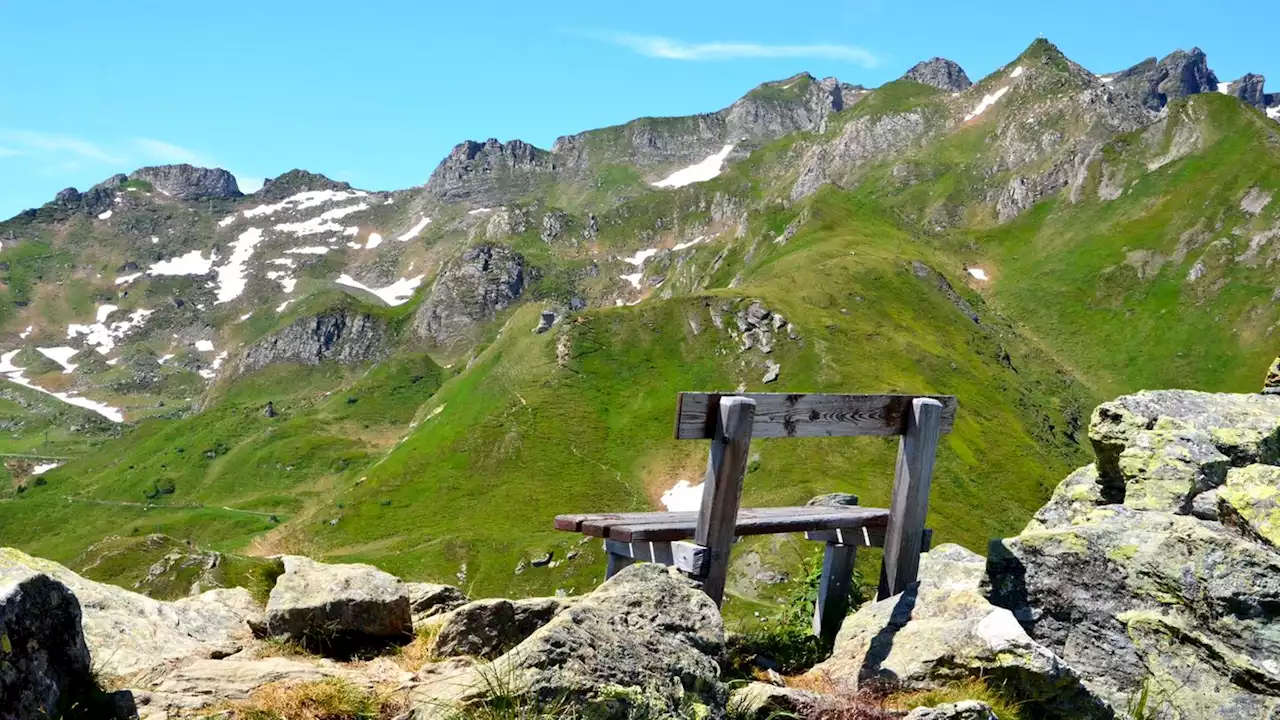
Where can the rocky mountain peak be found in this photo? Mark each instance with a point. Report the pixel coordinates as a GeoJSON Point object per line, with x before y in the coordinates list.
{"type": "Point", "coordinates": [941, 73]}
{"type": "Point", "coordinates": [488, 172]}
{"type": "Point", "coordinates": [1250, 89]}
{"type": "Point", "coordinates": [296, 181]}
{"type": "Point", "coordinates": [1179, 74]}
{"type": "Point", "coordinates": [187, 182]}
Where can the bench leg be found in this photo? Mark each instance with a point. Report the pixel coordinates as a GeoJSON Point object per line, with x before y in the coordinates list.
{"type": "Point", "coordinates": [905, 533]}
{"type": "Point", "coordinates": [833, 590]}
{"type": "Point", "coordinates": [615, 564]}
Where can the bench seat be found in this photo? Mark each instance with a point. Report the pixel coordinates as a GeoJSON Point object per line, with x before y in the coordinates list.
{"type": "Point", "coordinates": [671, 526]}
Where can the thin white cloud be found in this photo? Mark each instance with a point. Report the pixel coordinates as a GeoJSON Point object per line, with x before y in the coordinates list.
{"type": "Point", "coordinates": [673, 49]}
{"type": "Point", "coordinates": [8, 152]}
{"type": "Point", "coordinates": [55, 143]}
{"type": "Point", "coordinates": [168, 153]}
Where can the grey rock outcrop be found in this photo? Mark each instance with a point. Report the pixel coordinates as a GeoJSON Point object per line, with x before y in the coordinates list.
{"type": "Point", "coordinates": [343, 336]}
{"type": "Point", "coordinates": [860, 141]}
{"type": "Point", "coordinates": [941, 73]}
{"type": "Point", "coordinates": [1179, 74]}
{"type": "Point", "coordinates": [334, 608]}
{"type": "Point", "coordinates": [1157, 568]}
{"type": "Point", "coordinates": [489, 628]}
{"type": "Point", "coordinates": [296, 181]}
{"type": "Point", "coordinates": [427, 600]}
{"type": "Point", "coordinates": [644, 641]}
{"type": "Point", "coordinates": [1251, 89]}
{"type": "Point", "coordinates": [472, 289]}
{"type": "Point", "coordinates": [187, 182]}
{"type": "Point", "coordinates": [129, 633]}
{"type": "Point", "coordinates": [489, 173]}
{"type": "Point", "coordinates": [44, 662]}
{"type": "Point", "coordinates": [944, 630]}
{"type": "Point", "coordinates": [1271, 385]}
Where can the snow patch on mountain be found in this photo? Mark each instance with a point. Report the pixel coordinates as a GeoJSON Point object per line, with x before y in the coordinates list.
{"type": "Point", "coordinates": [640, 256]}
{"type": "Point", "coordinates": [314, 250]}
{"type": "Point", "coordinates": [304, 201]}
{"type": "Point", "coordinates": [283, 278]}
{"type": "Point", "coordinates": [397, 293]}
{"type": "Point", "coordinates": [60, 355]}
{"type": "Point", "coordinates": [126, 279]}
{"type": "Point", "coordinates": [104, 215]}
{"type": "Point", "coordinates": [683, 497]}
{"type": "Point", "coordinates": [204, 345]}
{"type": "Point", "coordinates": [689, 244]}
{"type": "Point", "coordinates": [698, 172]}
{"type": "Point", "coordinates": [193, 263]}
{"type": "Point", "coordinates": [412, 232]}
{"type": "Point", "coordinates": [374, 241]}
{"type": "Point", "coordinates": [634, 279]}
{"type": "Point", "coordinates": [231, 279]}
{"type": "Point", "coordinates": [104, 337]}
{"type": "Point", "coordinates": [42, 468]}
{"type": "Point", "coordinates": [1017, 72]}
{"type": "Point", "coordinates": [1224, 88]}
{"type": "Point", "coordinates": [1274, 113]}
{"type": "Point", "coordinates": [14, 375]}
{"type": "Point", "coordinates": [987, 101]}
{"type": "Point", "coordinates": [26, 332]}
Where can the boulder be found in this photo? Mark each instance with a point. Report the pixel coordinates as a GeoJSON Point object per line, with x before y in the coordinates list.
{"type": "Point", "coordinates": [429, 600]}
{"type": "Point", "coordinates": [1271, 386]}
{"type": "Point", "coordinates": [963, 710]}
{"type": "Point", "coordinates": [1136, 598]}
{"type": "Point", "coordinates": [128, 633]}
{"type": "Point", "coordinates": [489, 628]}
{"type": "Point", "coordinates": [1166, 467]}
{"type": "Point", "coordinates": [1244, 428]}
{"type": "Point", "coordinates": [1072, 499]}
{"type": "Point", "coordinates": [645, 641]}
{"type": "Point", "coordinates": [44, 662]}
{"type": "Point", "coordinates": [336, 608]}
{"type": "Point", "coordinates": [943, 630]}
{"type": "Point", "coordinates": [187, 182]}
{"type": "Point", "coordinates": [762, 701]}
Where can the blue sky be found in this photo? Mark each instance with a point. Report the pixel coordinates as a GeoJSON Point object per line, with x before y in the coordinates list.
{"type": "Point", "coordinates": [376, 93]}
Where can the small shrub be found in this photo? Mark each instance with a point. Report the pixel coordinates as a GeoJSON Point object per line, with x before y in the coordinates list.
{"type": "Point", "coordinates": [329, 699]}
{"type": "Point", "coordinates": [1002, 699]}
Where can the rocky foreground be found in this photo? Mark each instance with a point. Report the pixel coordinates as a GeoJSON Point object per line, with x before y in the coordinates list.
{"type": "Point", "coordinates": [1148, 586]}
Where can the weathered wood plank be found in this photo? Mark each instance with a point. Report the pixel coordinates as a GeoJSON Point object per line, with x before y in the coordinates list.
{"type": "Point", "coordinates": [574, 522]}
{"type": "Point", "coordinates": [905, 533]}
{"type": "Point", "coordinates": [832, 603]}
{"type": "Point", "coordinates": [809, 415]}
{"type": "Point", "coordinates": [722, 489]}
{"type": "Point", "coordinates": [663, 528]}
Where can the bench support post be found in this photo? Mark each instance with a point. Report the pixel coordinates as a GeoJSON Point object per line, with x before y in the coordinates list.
{"type": "Point", "coordinates": [833, 590]}
{"type": "Point", "coordinates": [722, 489]}
{"type": "Point", "coordinates": [905, 533]}
{"type": "Point", "coordinates": [615, 564]}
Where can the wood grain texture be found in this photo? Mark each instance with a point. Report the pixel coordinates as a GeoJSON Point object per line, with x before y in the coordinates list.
{"type": "Point", "coordinates": [715, 526]}
{"type": "Point", "coordinates": [660, 526]}
{"type": "Point", "coordinates": [808, 415]}
{"type": "Point", "coordinates": [905, 533]}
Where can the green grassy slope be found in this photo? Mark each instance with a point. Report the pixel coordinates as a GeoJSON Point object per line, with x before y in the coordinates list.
{"type": "Point", "coordinates": [522, 436]}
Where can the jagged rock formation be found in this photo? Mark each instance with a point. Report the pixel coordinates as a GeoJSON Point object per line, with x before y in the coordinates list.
{"type": "Point", "coordinates": [343, 336]}
{"type": "Point", "coordinates": [296, 181]}
{"type": "Point", "coordinates": [427, 600]}
{"type": "Point", "coordinates": [489, 628]}
{"type": "Point", "coordinates": [489, 173]}
{"type": "Point", "coordinates": [860, 141]}
{"type": "Point", "coordinates": [941, 73]}
{"type": "Point", "coordinates": [44, 663]}
{"type": "Point", "coordinates": [1154, 83]}
{"type": "Point", "coordinates": [187, 182]}
{"type": "Point", "coordinates": [477, 285]}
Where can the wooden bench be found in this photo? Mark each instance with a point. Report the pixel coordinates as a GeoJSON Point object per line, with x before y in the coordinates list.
{"type": "Point", "coordinates": [730, 421]}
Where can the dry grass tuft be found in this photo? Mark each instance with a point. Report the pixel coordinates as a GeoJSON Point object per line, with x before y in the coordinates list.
{"type": "Point", "coordinates": [328, 699]}
{"type": "Point", "coordinates": [421, 651]}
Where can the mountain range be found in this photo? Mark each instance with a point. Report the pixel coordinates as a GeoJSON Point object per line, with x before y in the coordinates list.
{"type": "Point", "coordinates": [425, 377]}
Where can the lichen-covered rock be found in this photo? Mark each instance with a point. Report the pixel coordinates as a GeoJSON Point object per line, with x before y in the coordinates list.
{"type": "Point", "coordinates": [44, 662]}
{"type": "Point", "coordinates": [342, 336]}
{"type": "Point", "coordinates": [187, 182]}
{"type": "Point", "coordinates": [762, 701]}
{"type": "Point", "coordinates": [336, 607]}
{"type": "Point", "coordinates": [1250, 502]}
{"type": "Point", "coordinates": [963, 710]}
{"type": "Point", "coordinates": [471, 289]}
{"type": "Point", "coordinates": [645, 640]}
{"type": "Point", "coordinates": [428, 600]}
{"type": "Point", "coordinates": [1271, 386]}
{"type": "Point", "coordinates": [1166, 467]}
{"type": "Point", "coordinates": [128, 633]}
{"type": "Point", "coordinates": [941, 73]}
{"type": "Point", "coordinates": [488, 628]}
{"type": "Point", "coordinates": [943, 630]}
{"type": "Point", "coordinates": [1072, 499]}
{"type": "Point", "coordinates": [1129, 597]}
{"type": "Point", "coordinates": [1245, 428]}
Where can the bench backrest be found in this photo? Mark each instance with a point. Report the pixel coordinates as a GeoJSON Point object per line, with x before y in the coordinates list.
{"type": "Point", "coordinates": [804, 415]}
